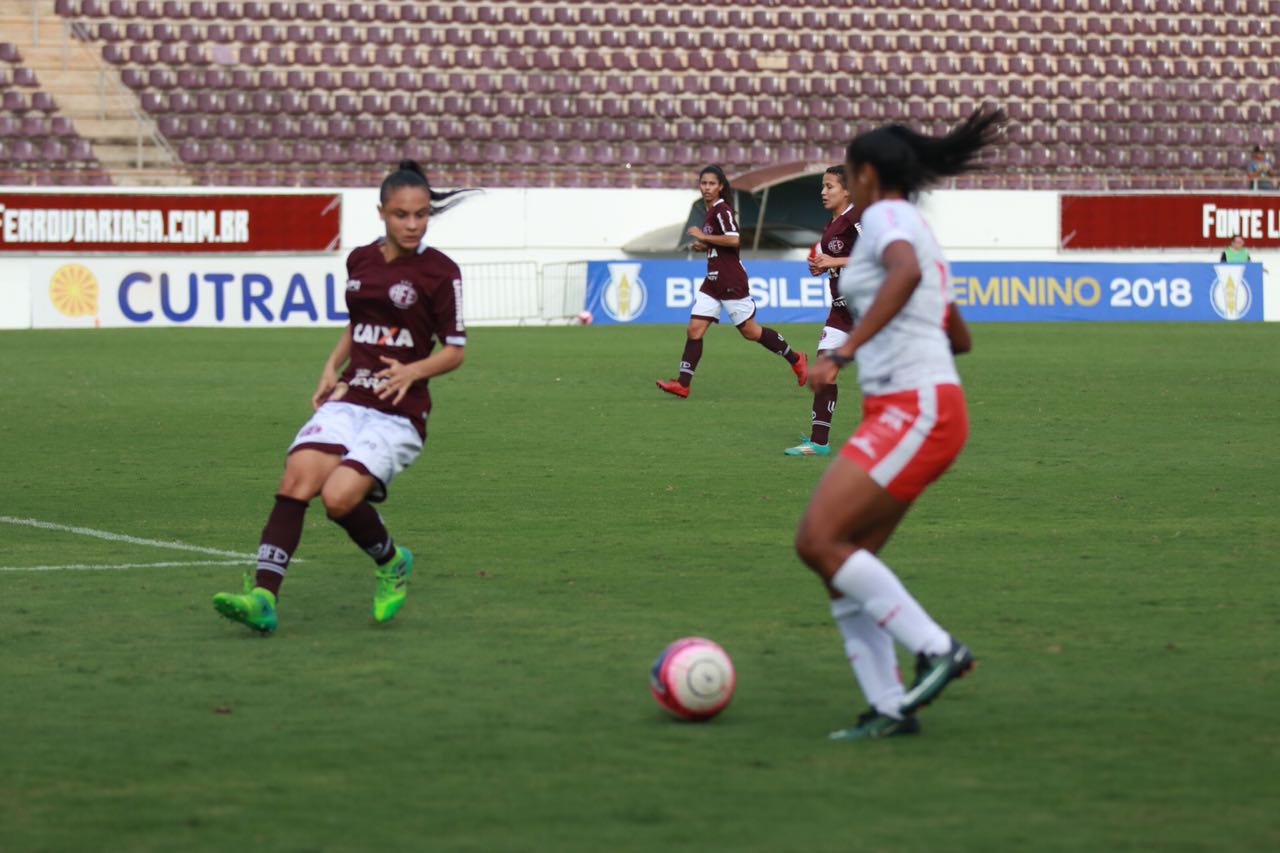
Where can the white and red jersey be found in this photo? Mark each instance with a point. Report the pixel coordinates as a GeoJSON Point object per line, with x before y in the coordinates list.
{"type": "Point", "coordinates": [912, 350]}
{"type": "Point", "coordinates": [398, 309]}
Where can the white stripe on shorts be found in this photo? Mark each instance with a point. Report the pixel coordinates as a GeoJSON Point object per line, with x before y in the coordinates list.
{"type": "Point", "coordinates": [905, 450]}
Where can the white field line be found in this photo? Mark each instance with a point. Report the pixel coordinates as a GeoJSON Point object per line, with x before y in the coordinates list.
{"type": "Point", "coordinates": [85, 566]}
{"type": "Point", "coordinates": [131, 540]}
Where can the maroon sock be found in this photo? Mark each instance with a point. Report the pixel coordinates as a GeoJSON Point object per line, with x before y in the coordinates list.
{"type": "Point", "coordinates": [689, 360]}
{"type": "Point", "coordinates": [774, 342]}
{"type": "Point", "coordinates": [365, 527]}
{"type": "Point", "coordinates": [280, 539]}
{"type": "Point", "coordinates": [824, 407]}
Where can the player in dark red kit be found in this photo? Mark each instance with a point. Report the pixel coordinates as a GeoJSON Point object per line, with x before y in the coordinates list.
{"type": "Point", "coordinates": [725, 287]}
{"type": "Point", "coordinates": [370, 420]}
{"type": "Point", "coordinates": [830, 255]}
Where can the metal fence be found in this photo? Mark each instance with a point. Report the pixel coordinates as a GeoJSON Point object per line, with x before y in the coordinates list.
{"type": "Point", "coordinates": [520, 293]}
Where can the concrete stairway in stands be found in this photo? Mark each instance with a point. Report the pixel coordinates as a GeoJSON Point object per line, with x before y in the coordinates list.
{"type": "Point", "coordinates": [89, 92]}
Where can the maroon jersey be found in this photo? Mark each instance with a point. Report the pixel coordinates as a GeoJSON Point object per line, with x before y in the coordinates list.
{"type": "Point", "coordinates": [398, 308]}
{"type": "Point", "coordinates": [726, 279]}
{"type": "Point", "coordinates": [837, 241]}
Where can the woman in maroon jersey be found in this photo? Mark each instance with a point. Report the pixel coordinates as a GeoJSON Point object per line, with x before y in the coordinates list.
{"type": "Point", "coordinates": [830, 255]}
{"type": "Point", "coordinates": [370, 420]}
{"type": "Point", "coordinates": [725, 287]}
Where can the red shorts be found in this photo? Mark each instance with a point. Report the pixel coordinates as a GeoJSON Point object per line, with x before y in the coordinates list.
{"type": "Point", "coordinates": [907, 439]}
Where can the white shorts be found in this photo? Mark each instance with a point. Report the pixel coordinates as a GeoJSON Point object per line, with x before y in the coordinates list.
{"type": "Point", "coordinates": [832, 338]}
{"type": "Point", "coordinates": [372, 442]}
{"type": "Point", "coordinates": [740, 310]}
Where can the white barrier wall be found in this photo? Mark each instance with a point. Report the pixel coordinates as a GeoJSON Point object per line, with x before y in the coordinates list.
{"type": "Point", "coordinates": [504, 236]}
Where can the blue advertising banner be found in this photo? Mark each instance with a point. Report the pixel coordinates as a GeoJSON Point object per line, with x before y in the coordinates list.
{"type": "Point", "coordinates": [663, 291]}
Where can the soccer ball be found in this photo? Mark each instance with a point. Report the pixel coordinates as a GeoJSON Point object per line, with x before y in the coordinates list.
{"type": "Point", "coordinates": [584, 318]}
{"type": "Point", "coordinates": [692, 678]}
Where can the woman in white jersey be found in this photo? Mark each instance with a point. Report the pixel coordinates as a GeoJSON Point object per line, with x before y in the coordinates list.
{"type": "Point", "coordinates": [914, 420]}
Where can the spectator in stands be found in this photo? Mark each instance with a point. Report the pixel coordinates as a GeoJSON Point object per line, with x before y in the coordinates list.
{"type": "Point", "coordinates": [1235, 252]}
{"type": "Point", "coordinates": [1260, 169]}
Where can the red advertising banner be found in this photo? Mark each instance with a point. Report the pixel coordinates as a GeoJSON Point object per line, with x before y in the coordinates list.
{"type": "Point", "coordinates": [165, 224]}
{"type": "Point", "coordinates": [1168, 220]}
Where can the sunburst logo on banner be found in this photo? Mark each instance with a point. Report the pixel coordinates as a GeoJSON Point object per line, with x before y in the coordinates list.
{"type": "Point", "coordinates": [73, 290]}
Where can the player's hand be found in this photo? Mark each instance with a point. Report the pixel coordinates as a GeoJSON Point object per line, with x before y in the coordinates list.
{"type": "Point", "coordinates": [698, 246]}
{"type": "Point", "coordinates": [399, 377]}
{"type": "Point", "coordinates": [695, 232]}
{"type": "Point", "coordinates": [822, 372]}
{"type": "Point", "coordinates": [328, 381]}
{"type": "Point", "coordinates": [821, 262]}
{"type": "Point", "coordinates": [812, 269]}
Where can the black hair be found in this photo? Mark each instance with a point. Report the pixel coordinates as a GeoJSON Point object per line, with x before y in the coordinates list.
{"type": "Point", "coordinates": [838, 171]}
{"type": "Point", "coordinates": [409, 173]}
{"type": "Point", "coordinates": [908, 161]}
{"type": "Point", "coordinates": [725, 189]}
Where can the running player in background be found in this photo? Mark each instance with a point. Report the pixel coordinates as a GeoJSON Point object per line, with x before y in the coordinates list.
{"type": "Point", "coordinates": [370, 421]}
{"type": "Point", "coordinates": [914, 419]}
{"type": "Point", "coordinates": [725, 287]}
{"type": "Point", "coordinates": [830, 255]}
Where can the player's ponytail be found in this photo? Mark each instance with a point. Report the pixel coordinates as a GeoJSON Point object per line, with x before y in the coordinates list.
{"type": "Point", "coordinates": [725, 189]}
{"type": "Point", "coordinates": [908, 161]}
{"type": "Point", "coordinates": [409, 173]}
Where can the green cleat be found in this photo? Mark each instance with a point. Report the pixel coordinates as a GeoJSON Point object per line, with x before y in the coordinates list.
{"type": "Point", "coordinates": [873, 724]}
{"type": "Point", "coordinates": [808, 448]}
{"type": "Point", "coordinates": [392, 585]}
{"type": "Point", "coordinates": [934, 672]}
{"type": "Point", "coordinates": [256, 608]}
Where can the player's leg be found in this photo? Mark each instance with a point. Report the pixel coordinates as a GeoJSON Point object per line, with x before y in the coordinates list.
{"type": "Point", "coordinates": [824, 404]}
{"type": "Point", "coordinates": [848, 499]}
{"type": "Point", "coordinates": [849, 514]}
{"type": "Point", "coordinates": [386, 445]}
{"type": "Point", "coordinates": [904, 442]}
{"type": "Point", "coordinates": [706, 311]}
{"type": "Point", "coordinates": [304, 473]}
{"type": "Point", "coordinates": [743, 313]}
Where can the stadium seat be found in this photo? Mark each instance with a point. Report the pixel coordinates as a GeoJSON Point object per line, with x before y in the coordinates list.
{"type": "Point", "coordinates": [1074, 73]}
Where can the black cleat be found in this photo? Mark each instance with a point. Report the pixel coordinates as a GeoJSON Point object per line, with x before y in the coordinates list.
{"type": "Point", "coordinates": [873, 724]}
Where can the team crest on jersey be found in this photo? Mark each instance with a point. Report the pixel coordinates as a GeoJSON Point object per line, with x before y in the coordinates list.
{"type": "Point", "coordinates": [1230, 295]}
{"type": "Point", "coordinates": [835, 245]}
{"type": "Point", "coordinates": [403, 294]}
{"type": "Point", "coordinates": [353, 284]}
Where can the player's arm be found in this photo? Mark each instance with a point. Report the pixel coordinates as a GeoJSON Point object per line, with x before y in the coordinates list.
{"type": "Point", "coordinates": [724, 241]}
{"type": "Point", "coordinates": [401, 376]}
{"type": "Point", "coordinates": [958, 331]}
{"type": "Point", "coordinates": [826, 262]}
{"type": "Point", "coordinates": [332, 368]}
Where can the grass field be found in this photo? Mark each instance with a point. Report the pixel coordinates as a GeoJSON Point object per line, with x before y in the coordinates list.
{"type": "Point", "coordinates": [1106, 544]}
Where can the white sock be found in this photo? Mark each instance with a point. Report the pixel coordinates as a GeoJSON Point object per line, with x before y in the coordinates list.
{"type": "Point", "coordinates": [870, 652]}
{"type": "Point", "coordinates": [872, 584]}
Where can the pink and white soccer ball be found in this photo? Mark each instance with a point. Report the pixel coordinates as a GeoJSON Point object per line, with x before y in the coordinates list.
{"type": "Point", "coordinates": [692, 678]}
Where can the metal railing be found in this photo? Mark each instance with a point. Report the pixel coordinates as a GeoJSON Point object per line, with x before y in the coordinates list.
{"type": "Point", "coordinates": [74, 36]}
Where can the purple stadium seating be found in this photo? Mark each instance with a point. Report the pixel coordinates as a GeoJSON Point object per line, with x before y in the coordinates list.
{"type": "Point", "coordinates": [1091, 82]}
